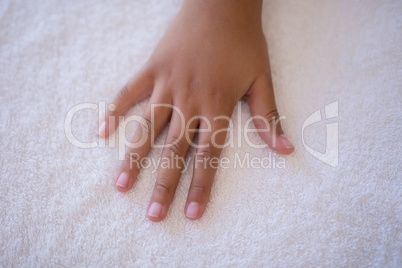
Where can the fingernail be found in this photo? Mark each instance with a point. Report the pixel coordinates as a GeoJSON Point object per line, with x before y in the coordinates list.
{"type": "Point", "coordinates": [102, 130]}
{"type": "Point", "coordinates": [123, 179]}
{"type": "Point", "coordinates": [192, 210]}
{"type": "Point", "coordinates": [155, 210]}
{"type": "Point", "coordinates": [286, 142]}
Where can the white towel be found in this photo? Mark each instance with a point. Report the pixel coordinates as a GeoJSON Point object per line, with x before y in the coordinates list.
{"type": "Point", "coordinates": [58, 205]}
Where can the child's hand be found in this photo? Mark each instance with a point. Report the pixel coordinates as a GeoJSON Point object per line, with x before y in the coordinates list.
{"type": "Point", "coordinates": [213, 54]}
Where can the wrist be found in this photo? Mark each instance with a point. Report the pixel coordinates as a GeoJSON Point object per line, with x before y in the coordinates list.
{"type": "Point", "coordinates": [234, 12]}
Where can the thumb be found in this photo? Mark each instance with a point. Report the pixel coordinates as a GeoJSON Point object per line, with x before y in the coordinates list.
{"type": "Point", "coordinates": [265, 116]}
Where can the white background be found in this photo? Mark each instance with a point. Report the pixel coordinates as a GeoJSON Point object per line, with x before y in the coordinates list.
{"type": "Point", "coordinates": [58, 205]}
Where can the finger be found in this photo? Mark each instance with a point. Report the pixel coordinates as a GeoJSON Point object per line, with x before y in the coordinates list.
{"type": "Point", "coordinates": [172, 163]}
{"type": "Point", "coordinates": [137, 88]}
{"type": "Point", "coordinates": [154, 121]}
{"type": "Point", "coordinates": [265, 115]}
{"type": "Point", "coordinates": [211, 140]}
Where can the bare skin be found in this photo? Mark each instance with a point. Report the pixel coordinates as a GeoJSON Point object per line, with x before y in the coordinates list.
{"type": "Point", "coordinates": [213, 54]}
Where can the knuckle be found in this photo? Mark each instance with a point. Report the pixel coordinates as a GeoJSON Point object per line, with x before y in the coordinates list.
{"type": "Point", "coordinates": [146, 127]}
{"type": "Point", "coordinates": [266, 121]}
{"type": "Point", "coordinates": [192, 86]}
{"type": "Point", "coordinates": [208, 158]}
{"type": "Point", "coordinates": [272, 116]}
{"type": "Point", "coordinates": [221, 103]}
{"type": "Point", "coordinates": [208, 153]}
{"type": "Point", "coordinates": [123, 93]}
{"type": "Point", "coordinates": [163, 187]}
{"type": "Point", "coordinates": [141, 136]}
{"type": "Point", "coordinates": [132, 155]}
{"type": "Point", "coordinates": [176, 147]}
{"type": "Point", "coordinates": [200, 189]}
{"type": "Point", "coordinates": [218, 95]}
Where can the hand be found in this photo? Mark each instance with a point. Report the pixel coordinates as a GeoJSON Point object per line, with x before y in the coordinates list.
{"type": "Point", "coordinates": [213, 54]}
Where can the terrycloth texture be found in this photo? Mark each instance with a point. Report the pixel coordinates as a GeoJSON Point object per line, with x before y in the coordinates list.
{"type": "Point", "coordinates": [58, 203]}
